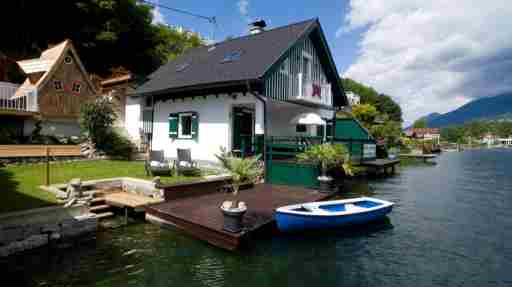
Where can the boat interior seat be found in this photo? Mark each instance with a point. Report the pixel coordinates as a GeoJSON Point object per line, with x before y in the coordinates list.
{"type": "Point", "coordinates": [353, 207]}
{"type": "Point", "coordinates": [314, 209]}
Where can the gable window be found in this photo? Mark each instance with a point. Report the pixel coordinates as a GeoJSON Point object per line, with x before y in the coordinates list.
{"type": "Point", "coordinates": [57, 85]}
{"type": "Point", "coordinates": [76, 88]}
{"type": "Point", "coordinates": [306, 67]}
{"type": "Point", "coordinates": [68, 60]}
{"type": "Point", "coordinates": [183, 125]}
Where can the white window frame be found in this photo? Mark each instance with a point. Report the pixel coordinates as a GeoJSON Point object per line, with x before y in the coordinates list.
{"type": "Point", "coordinates": [309, 73]}
{"type": "Point", "coordinates": [180, 129]}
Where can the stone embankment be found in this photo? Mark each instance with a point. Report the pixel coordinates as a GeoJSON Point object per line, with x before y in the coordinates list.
{"type": "Point", "coordinates": [20, 231]}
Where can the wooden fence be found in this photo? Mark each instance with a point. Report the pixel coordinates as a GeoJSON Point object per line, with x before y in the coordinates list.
{"type": "Point", "coordinates": [16, 151]}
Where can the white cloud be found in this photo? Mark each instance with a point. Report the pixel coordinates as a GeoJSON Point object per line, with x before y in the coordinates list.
{"type": "Point", "coordinates": [243, 8]}
{"type": "Point", "coordinates": [158, 17]}
{"type": "Point", "coordinates": [432, 56]}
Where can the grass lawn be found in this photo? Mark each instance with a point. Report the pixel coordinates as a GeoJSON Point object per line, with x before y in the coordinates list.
{"type": "Point", "coordinates": [19, 184]}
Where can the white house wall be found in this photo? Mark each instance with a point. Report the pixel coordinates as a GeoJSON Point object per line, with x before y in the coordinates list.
{"type": "Point", "coordinates": [132, 118]}
{"type": "Point", "coordinates": [215, 117]}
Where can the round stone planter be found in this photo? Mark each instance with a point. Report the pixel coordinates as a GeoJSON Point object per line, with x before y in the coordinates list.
{"type": "Point", "coordinates": [325, 184]}
{"type": "Point", "coordinates": [233, 219]}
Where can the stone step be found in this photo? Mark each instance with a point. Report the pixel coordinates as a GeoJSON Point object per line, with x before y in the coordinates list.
{"type": "Point", "coordinates": [97, 200]}
{"type": "Point", "coordinates": [96, 208]}
{"type": "Point", "coordinates": [104, 215]}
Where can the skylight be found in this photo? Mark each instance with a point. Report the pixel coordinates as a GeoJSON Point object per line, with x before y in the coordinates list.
{"type": "Point", "coordinates": [181, 67]}
{"type": "Point", "coordinates": [232, 56]}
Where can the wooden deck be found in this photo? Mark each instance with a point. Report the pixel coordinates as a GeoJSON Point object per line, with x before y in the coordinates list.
{"type": "Point", "coordinates": [126, 199]}
{"type": "Point", "coordinates": [200, 216]}
{"type": "Point", "coordinates": [381, 164]}
{"type": "Point", "coordinates": [424, 157]}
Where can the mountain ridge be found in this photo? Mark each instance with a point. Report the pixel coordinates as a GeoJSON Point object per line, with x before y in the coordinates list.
{"type": "Point", "coordinates": [489, 108]}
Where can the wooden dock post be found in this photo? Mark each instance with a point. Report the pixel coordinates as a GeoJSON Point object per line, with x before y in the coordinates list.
{"type": "Point", "coordinates": [47, 175]}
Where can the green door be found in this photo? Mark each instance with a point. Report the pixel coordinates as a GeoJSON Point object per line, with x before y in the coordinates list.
{"type": "Point", "coordinates": [243, 131]}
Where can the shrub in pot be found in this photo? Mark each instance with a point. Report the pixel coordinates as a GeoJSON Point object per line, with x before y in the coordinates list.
{"type": "Point", "coordinates": [326, 156]}
{"type": "Point", "coordinates": [243, 171]}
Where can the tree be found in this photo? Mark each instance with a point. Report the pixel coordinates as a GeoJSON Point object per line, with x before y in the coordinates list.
{"type": "Point", "coordinates": [174, 42]}
{"type": "Point", "coordinates": [420, 124]}
{"type": "Point", "coordinates": [452, 134]}
{"type": "Point", "coordinates": [365, 113]}
{"type": "Point", "coordinates": [96, 120]}
{"type": "Point", "coordinates": [325, 155]}
{"type": "Point", "coordinates": [106, 33]}
{"type": "Point", "coordinates": [387, 106]}
{"type": "Point", "coordinates": [390, 131]}
{"type": "Point", "coordinates": [242, 171]}
{"type": "Point", "coordinates": [383, 103]}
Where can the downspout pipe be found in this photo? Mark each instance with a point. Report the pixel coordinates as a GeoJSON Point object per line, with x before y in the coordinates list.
{"type": "Point", "coordinates": [265, 120]}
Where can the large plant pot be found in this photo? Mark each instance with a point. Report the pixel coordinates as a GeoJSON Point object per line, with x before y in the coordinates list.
{"type": "Point", "coordinates": [325, 184]}
{"type": "Point", "coordinates": [233, 219]}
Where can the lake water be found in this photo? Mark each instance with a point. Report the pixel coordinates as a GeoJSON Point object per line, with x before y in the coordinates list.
{"type": "Point", "coordinates": [451, 226]}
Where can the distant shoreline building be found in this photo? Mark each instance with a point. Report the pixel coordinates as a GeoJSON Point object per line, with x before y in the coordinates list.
{"type": "Point", "coordinates": [489, 139]}
{"type": "Point", "coordinates": [433, 134]}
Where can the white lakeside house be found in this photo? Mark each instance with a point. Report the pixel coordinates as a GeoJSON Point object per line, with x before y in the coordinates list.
{"type": "Point", "coordinates": [237, 93]}
{"type": "Point", "coordinates": [353, 98]}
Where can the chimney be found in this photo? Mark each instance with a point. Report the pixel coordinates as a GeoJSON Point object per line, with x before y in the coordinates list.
{"type": "Point", "coordinates": [257, 27]}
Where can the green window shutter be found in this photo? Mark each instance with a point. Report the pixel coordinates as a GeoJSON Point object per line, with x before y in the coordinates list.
{"type": "Point", "coordinates": [173, 126]}
{"type": "Point", "coordinates": [195, 126]}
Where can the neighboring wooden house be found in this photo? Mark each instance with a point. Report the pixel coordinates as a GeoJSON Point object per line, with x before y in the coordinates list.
{"type": "Point", "coordinates": [117, 87]}
{"type": "Point", "coordinates": [432, 134]}
{"type": "Point", "coordinates": [234, 94]}
{"type": "Point", "coordinates": [56, 86]}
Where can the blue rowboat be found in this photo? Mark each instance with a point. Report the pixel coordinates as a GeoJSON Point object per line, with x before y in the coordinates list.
{"type": "Point", "coordinates": [330, 214]}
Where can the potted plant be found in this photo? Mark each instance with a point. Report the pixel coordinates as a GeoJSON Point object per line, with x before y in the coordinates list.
{"type": "Point", "coordinates": [243, 171]}
{"type": "Point", "coordinates": [325, 155]}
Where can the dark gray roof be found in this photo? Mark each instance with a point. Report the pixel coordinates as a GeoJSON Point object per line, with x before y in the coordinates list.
{"type": "Point", "coordinates": [204, 66]}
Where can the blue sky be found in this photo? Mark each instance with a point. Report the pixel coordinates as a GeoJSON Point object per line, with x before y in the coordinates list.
{"type": "Point", "coordinates": [275, 13]}
{"type": "Point", "coordinates": [429, 56]}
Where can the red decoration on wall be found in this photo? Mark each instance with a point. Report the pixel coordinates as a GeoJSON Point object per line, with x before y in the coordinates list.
{"type": "Point", "coordinates": [317, 91]}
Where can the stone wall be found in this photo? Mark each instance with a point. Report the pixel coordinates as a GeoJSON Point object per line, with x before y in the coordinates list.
{"type": "Point", "coordinates": [26, 230]}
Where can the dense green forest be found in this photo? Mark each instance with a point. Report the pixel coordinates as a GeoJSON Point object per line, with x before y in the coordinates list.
{"type": "Point", "coordinates": [476, 130]}
{"type": "Point", "coordinates": [106, 33]}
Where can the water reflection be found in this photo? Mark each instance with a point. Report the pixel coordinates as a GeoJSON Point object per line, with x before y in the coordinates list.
{"type": "Point", "coordinates": [209, 271]}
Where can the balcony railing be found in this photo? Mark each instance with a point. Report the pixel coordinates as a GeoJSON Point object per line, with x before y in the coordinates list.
{"type": "Point", "coordinates": [312, 92]}
{"type": "Point", "coordinates": [15, 98]}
